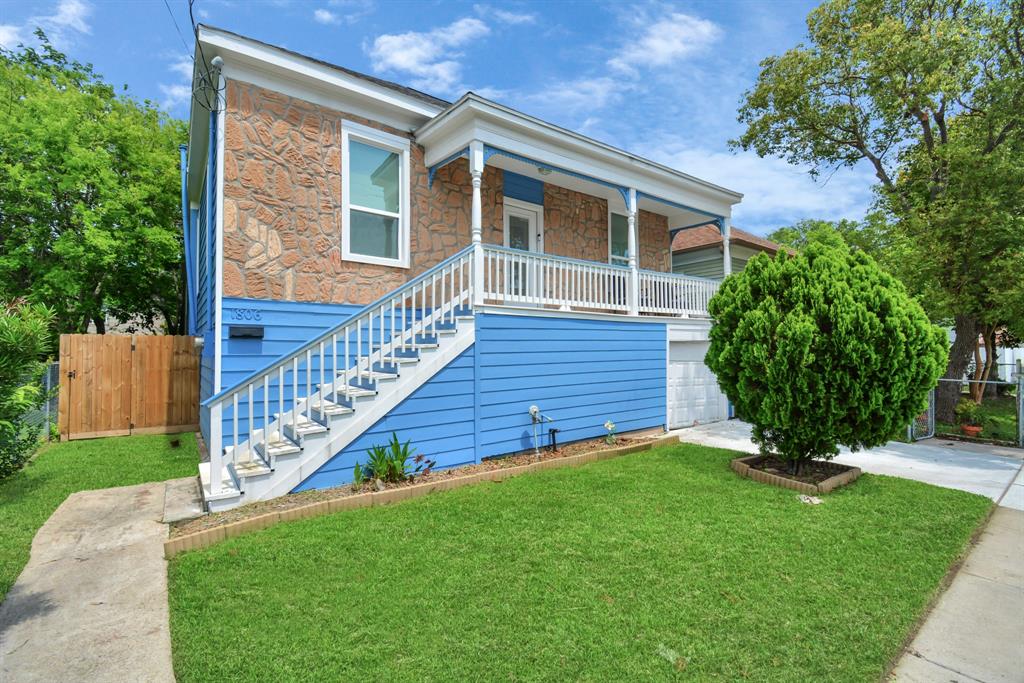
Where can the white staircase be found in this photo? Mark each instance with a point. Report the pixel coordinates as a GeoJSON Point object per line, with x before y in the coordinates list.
{"type": "Point", "coordinates": [325, 394]}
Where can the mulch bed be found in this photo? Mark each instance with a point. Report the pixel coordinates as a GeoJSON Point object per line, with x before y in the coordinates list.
{"type": "Point", "coordinates": [296, 500]}
{"type": "Point", "coordinates": [817, 477]}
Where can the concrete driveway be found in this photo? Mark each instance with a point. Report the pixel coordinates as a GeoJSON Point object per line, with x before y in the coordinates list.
{"type": "Point", "coordinates": [991, 471]}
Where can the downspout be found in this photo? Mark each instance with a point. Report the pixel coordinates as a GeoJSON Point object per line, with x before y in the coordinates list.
{"type": "Point", "coordinates": [186, 228]}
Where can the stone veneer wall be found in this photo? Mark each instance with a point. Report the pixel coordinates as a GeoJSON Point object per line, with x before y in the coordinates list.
{"type": "Point", "coordinates": [282, 208]}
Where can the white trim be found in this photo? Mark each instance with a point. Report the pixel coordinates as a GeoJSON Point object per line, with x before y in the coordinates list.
{"type": "Point", "coordinates": [219, 275]}
{"type": "Point", "coordinates": [392, 143]}
{"type": "Point", "coordinates": [625, 259]}
{"type": "Point", "coordinates": [538, 209]}
{"type": "Point", "coordinates": [678, 327]}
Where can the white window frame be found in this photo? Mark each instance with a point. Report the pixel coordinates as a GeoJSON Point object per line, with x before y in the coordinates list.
{"type": "Point", "coordinates": [392, 143]}
{"type": "Point", "coordinates": [524, 206]}
{"type": "Point", "coordinates": [624, 261]}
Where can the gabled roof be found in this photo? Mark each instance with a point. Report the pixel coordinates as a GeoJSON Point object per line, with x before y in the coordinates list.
{"type": "Point", "coordinates": [397, 87]}
{"type": "Point", "coordinates": [709, 236]}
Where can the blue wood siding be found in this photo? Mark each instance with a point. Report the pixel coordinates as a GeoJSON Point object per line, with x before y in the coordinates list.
{"type": "Point", "coordinates": [580, 372]}
{"type": "Point", "coordinates": [437, 418]}
{"type": "Point", "coordinates": [201, 306]}
{"type": "Point", "coordinates": [286, 326]}
{"type": "Point", "coordinates": [522, 188]}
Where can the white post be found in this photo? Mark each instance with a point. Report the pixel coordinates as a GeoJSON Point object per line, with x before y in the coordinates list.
{"type": "Point", "coordinates": [476, 170]}
{"type": "Point", "coordinates": [726, 253]}
{"type": "Point", "coordinates": [216, 448]}
{"type": "Point", "coordinates": [633, 301]}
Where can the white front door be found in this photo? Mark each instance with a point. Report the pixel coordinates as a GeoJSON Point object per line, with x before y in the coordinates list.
{"type": "Point", "coordinates": [523, 231]}
{"type": "Point", "coordinates": [693, 393]}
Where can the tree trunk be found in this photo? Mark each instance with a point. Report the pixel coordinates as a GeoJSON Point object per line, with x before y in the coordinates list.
{"type": "Point", "coordinates": [101, 324]}
{"type": "Point", "coordinates": [948, 393]}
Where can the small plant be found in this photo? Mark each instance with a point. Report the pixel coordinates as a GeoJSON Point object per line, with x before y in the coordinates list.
{"type": "Point", "coordinates": [357, 477]}
{"type": "Point", "coordinates": [968, 413]}
{"type": "Point", "coordinates": [610, 439]}
{"type": "Point", "coordinates": [391, 463]}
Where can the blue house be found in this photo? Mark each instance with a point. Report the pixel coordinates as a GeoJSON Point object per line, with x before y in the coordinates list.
{"type": "Point", "coordinates": [364, 258]}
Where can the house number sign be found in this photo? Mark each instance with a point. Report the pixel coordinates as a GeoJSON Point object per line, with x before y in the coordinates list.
{"type": "Point", "coordinates": [246, 314]}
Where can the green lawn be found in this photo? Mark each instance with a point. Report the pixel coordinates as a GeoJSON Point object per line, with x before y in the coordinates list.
{"type": "Point", "coordinates": [28, 498]}
{"type": "Point", "coordinates": [659, 565]}
{"type": "Point", "coordinates": [998, 420]}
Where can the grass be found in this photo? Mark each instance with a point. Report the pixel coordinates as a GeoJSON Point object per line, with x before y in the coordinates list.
{"type": "Point", "coordinates": [998, 420]}
{"type": "Point", "coordinates": [662, 565]}
{"type": "Point", "coordinates": [29, 497]}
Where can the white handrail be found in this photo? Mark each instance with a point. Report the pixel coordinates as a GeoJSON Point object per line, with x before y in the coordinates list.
{"type": "Point", "coordinates": [399, 321]}
{"type": "Point", "coordinates": [512, 276]}
{"type": "Point", "coordinates": [672, 294]}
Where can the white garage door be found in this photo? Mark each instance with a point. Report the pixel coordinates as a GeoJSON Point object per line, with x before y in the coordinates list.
{"type": "Point", "coordinates": [693, 394]}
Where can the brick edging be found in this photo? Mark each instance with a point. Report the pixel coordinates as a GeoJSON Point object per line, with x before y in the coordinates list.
{"type": "Point", "coordinates": [207, 537]}
{"type": "Point", "coordinates": [742, 467]}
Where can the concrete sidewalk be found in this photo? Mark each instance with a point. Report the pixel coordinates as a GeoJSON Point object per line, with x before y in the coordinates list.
{"type": "Point", "coordinates": [976, 630]}
{"type": "Point", "coordinates": [91, 604]}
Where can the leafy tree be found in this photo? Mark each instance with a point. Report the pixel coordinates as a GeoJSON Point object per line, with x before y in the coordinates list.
{"type": "Point", "coordinates": [930, 94]}
{"type": "Point", "coordinates": [24, 341]}
{"type": "Point", "coordinates": [90, 210]}
{"type": "Point", "coordinates": [868, 236]}
{"type": "Point", "coordinates": [822, 349]}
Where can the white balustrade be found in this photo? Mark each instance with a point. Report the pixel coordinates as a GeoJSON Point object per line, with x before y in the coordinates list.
{"type": "Point", "coordinates": [671, 294]}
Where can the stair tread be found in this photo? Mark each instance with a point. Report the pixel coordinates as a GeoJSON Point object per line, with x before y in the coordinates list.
{"type": "Point", "coordinates": [330, 407]}
{"type": "Point", "coordinates": [279, 447]}
{"type": "Point", "coordinates": [251, 468]}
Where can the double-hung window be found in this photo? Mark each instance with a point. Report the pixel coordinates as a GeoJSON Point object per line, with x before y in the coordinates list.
{"type": "Point", "coordinates": [374, 196]}
{"type": "Point", "coordinates": [618, 239]}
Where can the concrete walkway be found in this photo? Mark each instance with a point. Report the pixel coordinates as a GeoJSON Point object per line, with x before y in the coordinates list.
{"type": "Point", "coordinates": [976, 630]}
{"type": "Point", "coordinates": [91, 604]}
{"type": "Point", "coordinates": [986, 470]}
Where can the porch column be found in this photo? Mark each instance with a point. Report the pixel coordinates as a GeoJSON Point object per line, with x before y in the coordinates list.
{"type": "Point", "coordinates": [726, 254]}
{"type": "Point", "coordinates": [634, 274]}
{"type": "Point", "coordinates": [476, 170]}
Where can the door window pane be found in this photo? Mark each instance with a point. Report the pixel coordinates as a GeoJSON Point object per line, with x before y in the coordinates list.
{"type": "Point", "coordinates": [373, 235]}
{"type": "Point", "coordinates": [519, 232]}
{"type": "Point", "coordinates": [373, 177]}
{"type": "Point", "coordinates": [619, 238]}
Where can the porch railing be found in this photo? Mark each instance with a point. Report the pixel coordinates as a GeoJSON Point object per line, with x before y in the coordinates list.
{"type": "Point", "coordinates": [526, 278]}
{"type": "Point", "coordinates": [335, 366]}
{"type": "Point", "coordinates": [512, 276]}
{"type": "Point", "coordinates": [671, 294]}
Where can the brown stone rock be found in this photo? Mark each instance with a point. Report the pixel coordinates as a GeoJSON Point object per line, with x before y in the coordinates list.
{"type": "Point", "coordinates": [233, 280]}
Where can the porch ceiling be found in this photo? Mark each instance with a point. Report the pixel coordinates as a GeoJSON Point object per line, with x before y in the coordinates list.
{"type": "Point", "coordinates": [526, 144]}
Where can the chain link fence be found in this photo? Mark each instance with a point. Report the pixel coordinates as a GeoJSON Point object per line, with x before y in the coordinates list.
{"type": "Point", "coordinates": [45, 416]}
{"type": "Point", "coordinates": [998, 415]}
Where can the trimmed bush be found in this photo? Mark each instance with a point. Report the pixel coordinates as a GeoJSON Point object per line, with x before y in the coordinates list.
{"type": "Point", "coordinates": [822, 349]}
{"type": "Point", "coordinates": [24, 341]}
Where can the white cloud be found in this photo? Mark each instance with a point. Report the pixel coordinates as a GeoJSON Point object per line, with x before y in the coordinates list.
{"type": "Point", "coordinates": [568, 98]}
{"type": "Point", "coordinates": [175, 95]}
{"type": "Point", "coordinates": [505, 16]}
{"type": "Point", "coordinates": [70, 14]}
{"type": "Point", "coordinates": [10, 36]}
{"type": "Point", "coordinates": [182, 67]}
{"type": "Point", "coordinates": [774, 193]}
{"type": "Point", "coordinates": [666, 40]}
{"type": "Point", "coordinates": [325, 16]}
{"type": "Point", "coordinates": [431, 57]}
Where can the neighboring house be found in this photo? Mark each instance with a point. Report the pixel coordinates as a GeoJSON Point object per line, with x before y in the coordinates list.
{"type": "Point", "coordinates": [697, 251]}
{"type": "Point", "coordinates": [365, 259]}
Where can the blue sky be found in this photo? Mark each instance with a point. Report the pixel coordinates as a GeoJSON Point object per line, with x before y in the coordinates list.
{"type": "Point", "coordinates": [659, 79]}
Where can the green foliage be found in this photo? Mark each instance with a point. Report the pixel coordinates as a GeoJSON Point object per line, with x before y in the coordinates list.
{"type": "Point", "coordinates": [867, 236]}
{"type": "Point", "coordinates": [821, 349]}
{"type": "Point", "coordinates": [24, 342]}
{"type": "Point", "coordinates": [90, 209]}
{"type": "Point", "coordinates": [395, 462]}
{"type": "Point", "coordinates": [357, 476]}
{"type": "Point", "coordinates": [930, 95]}
{"type": "Point", "coordinates": [968, 412]}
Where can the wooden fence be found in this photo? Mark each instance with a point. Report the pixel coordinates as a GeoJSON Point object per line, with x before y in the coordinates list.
{"type": "Point", "coordinates": [113, 385]}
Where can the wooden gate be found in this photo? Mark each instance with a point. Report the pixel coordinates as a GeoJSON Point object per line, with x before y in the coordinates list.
{"type": "Point", "coordinates": [113, 385]}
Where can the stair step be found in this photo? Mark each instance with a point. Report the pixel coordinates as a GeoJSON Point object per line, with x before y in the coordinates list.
{"type": "Point", "coordinates": [464, 312]}
{"type": "Point", "coordinates": [304, 427]}
{"type": "Point", "coordinates": [251, 468]}
{"type": "Point", "coordinates": [354, 390]}
{"type": "Point", "coordinates": [446, 327]}
{"type": "Point", "coordinates": [276, 449]}
{"type": "Point", "coordinates": [329, 408]}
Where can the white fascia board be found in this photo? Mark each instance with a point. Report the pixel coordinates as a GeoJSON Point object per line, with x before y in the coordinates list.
{"type": "Point", "coordinates": [606, 162]}
{"type": "Point", "coordinates": [307, 79]}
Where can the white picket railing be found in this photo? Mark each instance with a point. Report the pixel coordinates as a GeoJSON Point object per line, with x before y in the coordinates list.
{"type": "Point", "coordinates": [341, 362]}
{"type": "Point", "coordinates": [671, 294]}
{"type": "Point", "coordinates": [512, 276]}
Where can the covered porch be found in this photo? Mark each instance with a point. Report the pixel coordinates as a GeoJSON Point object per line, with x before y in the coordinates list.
{"type": "Point", "coordinates": [576, 225]}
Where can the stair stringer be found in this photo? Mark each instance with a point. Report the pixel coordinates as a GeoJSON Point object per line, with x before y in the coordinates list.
{"type": "Point", "coordinates": [369, 414]}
